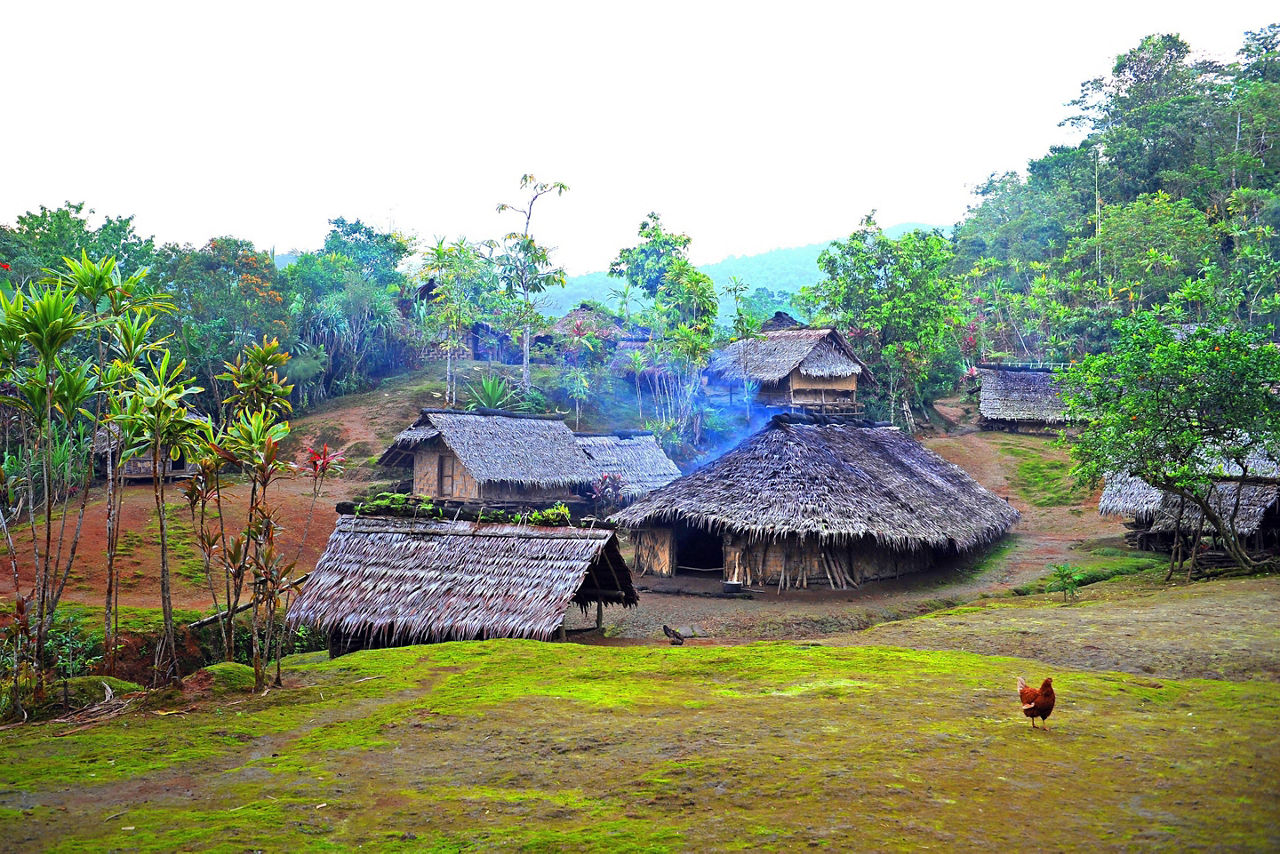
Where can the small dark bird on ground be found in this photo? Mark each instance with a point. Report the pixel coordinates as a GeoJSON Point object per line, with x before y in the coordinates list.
{"type": "Point", "coordinates": [677, 639]}
{"type": "Point", "coordinates": [1037, 702]}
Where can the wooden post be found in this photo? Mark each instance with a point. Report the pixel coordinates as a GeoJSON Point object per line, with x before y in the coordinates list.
{"type": "Point", "coordinates": [599, 613]}
{"type": "Point", "coordinates": [561, 635]}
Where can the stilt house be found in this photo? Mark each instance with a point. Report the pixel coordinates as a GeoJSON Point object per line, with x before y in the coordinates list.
{"type": "Point", "coordinates": [815, 500]}
{"type": "Point", "coordinates": [790, 368]}
{"type": "Point", "coordinates": [1154, 519]}
{"type": "Point", "coordinates": [386, 581]}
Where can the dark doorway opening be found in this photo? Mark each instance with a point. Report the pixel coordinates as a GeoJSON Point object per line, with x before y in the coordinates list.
{"type": "Point", "coordinates": [698, 550]}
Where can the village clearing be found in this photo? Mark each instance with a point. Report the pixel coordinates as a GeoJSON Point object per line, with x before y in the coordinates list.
{"type": "Point", "coordinates": [790, 724]}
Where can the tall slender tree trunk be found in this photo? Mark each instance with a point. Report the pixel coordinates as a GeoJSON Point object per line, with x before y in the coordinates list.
{"type": "Point", "coordinates": [166, 661]}
{"type": "Point", "coordinates": [525, 381]}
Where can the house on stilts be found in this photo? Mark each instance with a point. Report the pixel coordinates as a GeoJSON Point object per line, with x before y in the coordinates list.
{"type": "Point", "coordinates": [395, 580]}
{"type": "Point", "coordinates": [789, 369]}
{"type": "Point", "coordinates": [815, 500]}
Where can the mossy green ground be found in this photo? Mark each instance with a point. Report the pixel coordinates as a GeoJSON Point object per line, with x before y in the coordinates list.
{"type": "Point", "coordinates": [766, 746]}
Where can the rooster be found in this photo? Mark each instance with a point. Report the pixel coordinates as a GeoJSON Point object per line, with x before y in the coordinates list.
{"type": "Point", "coordinates": [1037, 703]}
{"type": "Point", "coordinates": [677, 639]}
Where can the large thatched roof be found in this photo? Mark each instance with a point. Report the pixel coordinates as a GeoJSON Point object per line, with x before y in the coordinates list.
{"type": "Point", "coordinates": [593, 320]}
{"type": "Point", "coordinates": [499, 446]}
{"type": "Point", "coordinates": [1020, 395]}
{"type": "Point", "coordinates": [409, 580]}
{"type": "Point", "coordinates": [811, 477]}
{"type": "Point", "coordinates": [774, 355]}
{"type": "Point", "coordinates": [636, 457]}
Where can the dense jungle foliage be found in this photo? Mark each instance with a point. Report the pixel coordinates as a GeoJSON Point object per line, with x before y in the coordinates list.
{"type": "Point", "coordinates": [1172, 189]}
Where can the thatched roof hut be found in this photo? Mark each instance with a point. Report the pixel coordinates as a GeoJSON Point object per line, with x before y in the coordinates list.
{"type": "Point", "coordinates": [490, 454]}
{"type": "Point", "coordinates": [392, 581]}
{"type": "Point", "coordinates": [793, 368]}
{"type": "Point", "coordinates": [780, 320]}
{"type": "Point", "coordinates": [817, 353]}
{"type": "Point", "coordinates": [827, 498]}
{"type": "Point", "coordinates": [634, 456]}
{"type": "Point", "coordinates": [1154, 511]}
{"type": "Point", "coordinates": [593, 320]}
{"type": "Point", "coordinates": [1011, 397]}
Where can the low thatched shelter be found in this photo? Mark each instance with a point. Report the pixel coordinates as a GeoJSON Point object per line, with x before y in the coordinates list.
{"type": "Point", "coordinates": [385, 581]}
{"type": "Point", "coordinates": [491, 455]}
{"type": "Point", "coordinates": [795, 368]}
{"type": "Point", "coordinates": [1019, 398]}
{"type": "Point", "coordinates": [1156, 518]}
{"type": "Point", "coordinates": [815, 499]}
{"type": "Point", "coordinates": [634, 456]}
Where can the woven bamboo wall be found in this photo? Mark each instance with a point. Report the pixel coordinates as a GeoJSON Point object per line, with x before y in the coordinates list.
{"type": "Point", "coordinates": [655, 551]}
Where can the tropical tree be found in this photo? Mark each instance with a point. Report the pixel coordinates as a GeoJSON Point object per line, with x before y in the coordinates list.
{"type": "Point", "coordinates": [524, 267]}
{"type": "Point", "coordinates": [165, 430]}
{"type": "Point", "coordinates": [900, 306]}
{"type": "Point", "coordinates": [644, 267]}
{"type": "Point", "coordinates": [1186, 409]}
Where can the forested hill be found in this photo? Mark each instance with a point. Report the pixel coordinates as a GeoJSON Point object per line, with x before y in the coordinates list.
{"type": "Point", "coordinates": [780, 271]}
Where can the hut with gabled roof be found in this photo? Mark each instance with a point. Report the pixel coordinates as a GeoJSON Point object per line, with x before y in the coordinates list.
{"type": "Point", "coordinates": [792, 368]}
{"type": "Point", "coordinates": [1019, 398]}
{"type": "Point", "coordinates": [633, 455]}
{"type": "Point", "coordinates": [388, 581]}
{"type": "Point", "coordinates": [815, 499]}
{"type": "Point", "coordinates": [491, 455]}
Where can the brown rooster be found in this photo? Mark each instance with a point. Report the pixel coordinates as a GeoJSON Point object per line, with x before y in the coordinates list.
{"type": "Point", "coordinates": [1036, 703]}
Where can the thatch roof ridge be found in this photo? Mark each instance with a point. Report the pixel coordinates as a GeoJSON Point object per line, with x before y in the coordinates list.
{"type": "Point", "coordinates": [401, 580]}
{"type": "Point", "coordinates": [1020, 395]}
{"type": "Point", "coordinates": [637, 458]}
{"type": "Point", "coordinates": [831, 480]}
{"type": "Point", "coordinates": [770, 358]}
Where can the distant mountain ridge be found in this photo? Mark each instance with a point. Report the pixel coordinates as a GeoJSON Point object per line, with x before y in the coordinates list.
{"type": "Point", "coordinates": [785, 270]}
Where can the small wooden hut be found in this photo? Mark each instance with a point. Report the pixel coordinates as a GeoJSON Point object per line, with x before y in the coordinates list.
{"type": "Point", "coordinates": [491, 455]}
{"type": "Point", "coordinates": [1018, 398]}
{"type": "Point", "coordinates": [633, 455]}
{"type": "Point", "coordinates": [794, 368]}
{"type": "Point", "coordinates": [386, 581]}
{"type": "Point", "coordinates": [814, 499]}
{"type": "Point", "coordinates": [106, 445]}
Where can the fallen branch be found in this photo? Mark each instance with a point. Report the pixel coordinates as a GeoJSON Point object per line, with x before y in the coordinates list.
{"type": "Point", "coordinates": [210, 620]}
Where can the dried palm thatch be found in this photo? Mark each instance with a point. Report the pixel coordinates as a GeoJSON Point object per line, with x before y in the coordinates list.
{"type": "Point", "coordinates": [397, 581]}
{"type": "Point", "coordinates": [1021, 396]}
{"type": "Point", "coordinates": [822, 353]}
{"type": "Point", "coordinates": [635, 457]}
{"type": "Point", "coordinates": [811, 477]}
{"type": "Point", "coordinates": [1255, 501]}
{"type": "Point", "coordinates": [593, 320]}
{"type": "Point", "coordinates": [1128, 496]}
{"type": "Point", "coordinates": [499, 447]}
{"type": "Point", "coordinates": [1125, 495]}
{"type": "Point", "coordinates": [780, 320]}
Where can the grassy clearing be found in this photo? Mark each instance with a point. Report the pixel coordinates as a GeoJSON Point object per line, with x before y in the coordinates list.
{"type": "Point", "coordinates": [768, 746]}
{"type": "Point", "coordinates": [1042, 474]}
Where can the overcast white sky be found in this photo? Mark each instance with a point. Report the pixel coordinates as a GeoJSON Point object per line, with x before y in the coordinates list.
{"type": "Point", "coordinates": [750, 126]}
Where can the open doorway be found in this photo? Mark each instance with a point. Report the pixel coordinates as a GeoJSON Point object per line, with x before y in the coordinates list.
{"type": "Point", "coordinates": [698, 550]}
